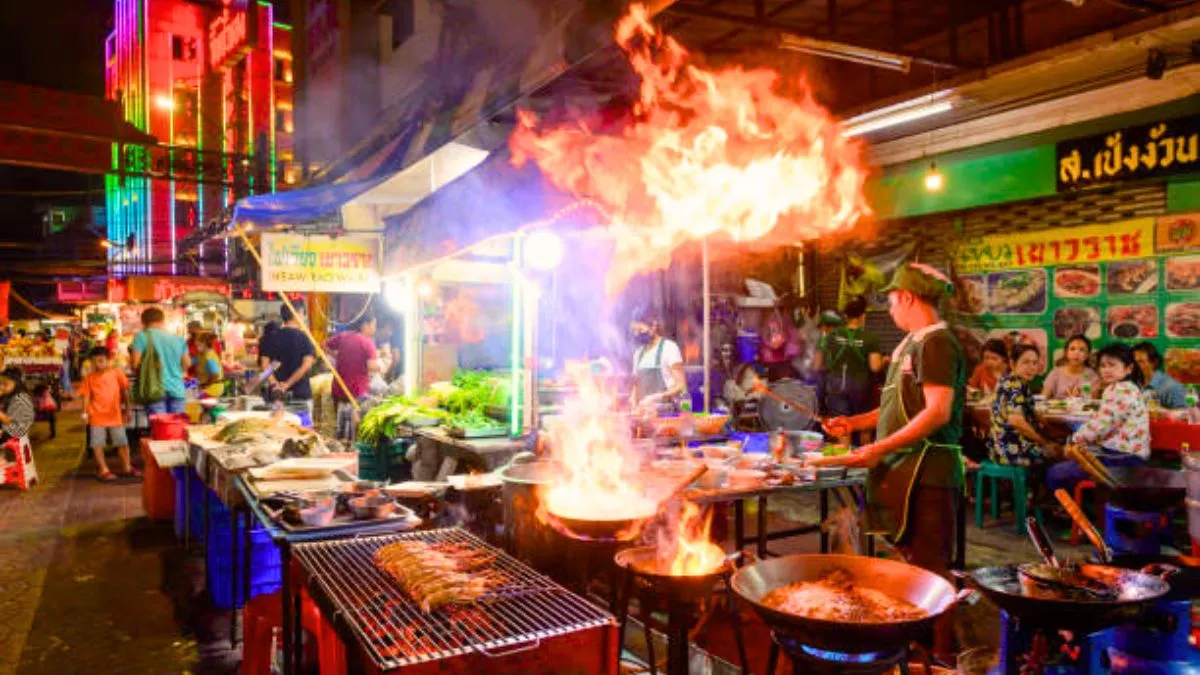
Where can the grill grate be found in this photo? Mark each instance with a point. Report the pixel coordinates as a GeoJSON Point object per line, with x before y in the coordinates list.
{"type": "Point", "coordinates": [521, 610]}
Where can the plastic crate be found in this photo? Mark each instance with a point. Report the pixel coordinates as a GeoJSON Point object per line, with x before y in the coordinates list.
{"type": "Point", "coordinates": [193, 507]}
{"type": "Point", "coordinates": [752, 443]}
{"type": "Point", "coordinates": [266, 567]}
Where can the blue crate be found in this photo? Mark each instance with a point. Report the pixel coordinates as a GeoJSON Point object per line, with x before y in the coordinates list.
{"type": "Point", "coordinates": [753, 443]}
{"type": "Point", "coordinates": [193, 509]}
{"type": "Point", "coordinates": [266, 566]}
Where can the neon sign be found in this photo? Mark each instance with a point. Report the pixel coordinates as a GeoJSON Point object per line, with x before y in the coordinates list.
{"type": "Point", "coordinates": [228, 37]}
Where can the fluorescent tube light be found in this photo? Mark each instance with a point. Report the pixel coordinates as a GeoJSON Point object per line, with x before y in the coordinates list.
{"type": "Point", "coordinates": [899, 113]}
{"type": "Point", "coordinates": [845, 52]}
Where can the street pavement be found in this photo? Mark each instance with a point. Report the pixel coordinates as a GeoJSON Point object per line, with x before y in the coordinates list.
{"type": "Point", "coordinates": [89, 585]}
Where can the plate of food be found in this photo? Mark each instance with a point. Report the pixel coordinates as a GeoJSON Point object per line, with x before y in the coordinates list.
{"type": "Point", "coordinates": [971, 297]}
{"type": "Point", "coordinates": [1183, 273]}
{"type": "Point", "coordinates": [1183, 365]}
{"type": "Point", "coordinates": [1021, 292]}
{"type": "Point", "coordinates": [1133, 321]}
{"type": "Point", "coordinates": [1132, 277]}
{"type": "Point", "coordinates": [1183, 320]}
{"type": "Point", "coordinates": [1070, 321]}
{"type": "Point", "coordinates": [1081, 281]}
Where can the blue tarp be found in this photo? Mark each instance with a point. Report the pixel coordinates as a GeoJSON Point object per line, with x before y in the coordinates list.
{"type": "Point", "coordinates": [300, 206]}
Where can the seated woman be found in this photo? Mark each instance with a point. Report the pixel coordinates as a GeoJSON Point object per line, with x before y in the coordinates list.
{"type": "Point", "coordinates": [17, 412]}
{"type": "Point", "coordinates": [994, 365]}
{"type": "Point", "coordinates": [1119, 434]}
{"type": "Point", "coordinates": [1164, 389]}
{"type": "Point", "coordinates": [1072, 372]}
{"type": "Point", "coordinates": [1015, 438]}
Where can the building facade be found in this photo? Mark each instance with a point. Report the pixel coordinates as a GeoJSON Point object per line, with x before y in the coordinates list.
{"type": "Point", "coordinates": [212, 82]}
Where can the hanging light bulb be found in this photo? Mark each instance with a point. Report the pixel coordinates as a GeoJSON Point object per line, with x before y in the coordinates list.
{"type": "Point", "coordinates": [934, 180]}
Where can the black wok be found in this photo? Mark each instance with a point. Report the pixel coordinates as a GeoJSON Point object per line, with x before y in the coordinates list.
{"type": "Point", "coordinates": [1135, 593]}
{"type": "Point", "coordinates": [1147, 488]}
{"type": "Point", "coordinates": [920, 587]}
{"type": "Point", "coordinates": [1182, 573]}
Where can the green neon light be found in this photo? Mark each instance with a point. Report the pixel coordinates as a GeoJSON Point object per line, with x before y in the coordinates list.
{"type": "Point", "coordinates": [281, 26]}
{"type": "Point", "coordinates": [515, 352]}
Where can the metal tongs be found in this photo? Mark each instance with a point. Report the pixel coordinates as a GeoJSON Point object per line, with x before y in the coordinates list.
{"type": "Point", "coordinates": [1054, 574]}
{"type": "Point", "coordinates": [1094, 468]}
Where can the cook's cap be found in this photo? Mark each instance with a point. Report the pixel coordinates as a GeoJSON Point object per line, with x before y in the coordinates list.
{"type": "Point", "coordinates": [830, 318]}
{"type": "Point", "coordinates": [923, 281]}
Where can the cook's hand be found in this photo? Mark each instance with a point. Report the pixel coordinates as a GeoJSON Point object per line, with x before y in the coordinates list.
{"type": "Point", "coordinates": [865, 457]}
{"type": "Point", "coordinates": [838, 427]}
{"type": "Point", "coordinates": [650, 401]}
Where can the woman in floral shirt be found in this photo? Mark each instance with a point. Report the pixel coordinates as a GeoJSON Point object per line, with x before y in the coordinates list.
{"type": "Point", "coordinates": [1015, 439]}
{"type": "Point", "coordinates": [1119, 434]}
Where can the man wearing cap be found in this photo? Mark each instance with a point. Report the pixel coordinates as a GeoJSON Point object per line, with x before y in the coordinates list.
{"type": "Point", "coordinates": [916, 464]}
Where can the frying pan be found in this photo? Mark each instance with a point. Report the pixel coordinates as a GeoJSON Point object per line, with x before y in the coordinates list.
{"type": "Point", "coordinates": [1182, 573]}
{"type": "Point", "coordinates": [1135, 593]}
{"type": "Point", "coordinates": [905, 582]}
{"type": "Point", "coordinates": [626, 528]}
{"type": "Point", "coordinates": [644, 561]}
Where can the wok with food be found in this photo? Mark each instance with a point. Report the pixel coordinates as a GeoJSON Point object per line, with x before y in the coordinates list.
{"type": "Point", "coordinates": [843, 602]}
{"type": "Point", "coordinates": [434, 575]}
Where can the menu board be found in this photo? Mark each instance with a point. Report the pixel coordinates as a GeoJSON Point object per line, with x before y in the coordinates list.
{"type": "Point", "coordinates": [1155, 299]}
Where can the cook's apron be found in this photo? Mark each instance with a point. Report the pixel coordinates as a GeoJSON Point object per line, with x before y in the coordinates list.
{"type": "Point", "coordinates": [650, 379]}
{"type": "Point", "coordinates": [892, 482]}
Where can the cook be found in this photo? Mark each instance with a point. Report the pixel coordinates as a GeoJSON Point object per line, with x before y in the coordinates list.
{"type": "Point", "coordinates": [916, 465]}
{"type": "Point", "coordinates": [658, 379]}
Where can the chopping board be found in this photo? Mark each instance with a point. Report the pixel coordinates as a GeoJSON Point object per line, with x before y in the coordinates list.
{"type": "Point", "coordinates": [301, 468]}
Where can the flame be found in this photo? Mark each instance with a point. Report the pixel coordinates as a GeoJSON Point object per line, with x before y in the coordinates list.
{"type": "Point", "coordinates": [691, 552]}
{"type": "Point", "coordinates": [594, 450]}
{"type": "Point", "coordinates": [707, 152]}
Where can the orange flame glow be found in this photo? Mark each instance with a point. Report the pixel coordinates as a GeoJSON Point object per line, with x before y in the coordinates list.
{"type": "Point", "coordinates": [594, 450]}
{"type": "Point", "coordinates": [708, 152]}
{"type": "Point", "coordinates": [692, 552]}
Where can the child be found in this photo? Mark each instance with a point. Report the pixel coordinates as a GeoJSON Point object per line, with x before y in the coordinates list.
{"type": "Point", "coordinates": [209, 372]}
{"type": "Point", "coordinates": [105, 397]}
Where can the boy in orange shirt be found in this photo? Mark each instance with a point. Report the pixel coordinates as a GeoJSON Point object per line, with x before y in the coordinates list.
{"type": "Point", "coordinates": [105, 394]}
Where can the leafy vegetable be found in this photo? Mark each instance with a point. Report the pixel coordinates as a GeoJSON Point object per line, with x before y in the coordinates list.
{"type": "Point", "coordinates": [384, 420]}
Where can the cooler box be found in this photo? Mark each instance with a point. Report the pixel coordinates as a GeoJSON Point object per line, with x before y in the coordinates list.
{"type": "Point", "coordinates": [158, 487]}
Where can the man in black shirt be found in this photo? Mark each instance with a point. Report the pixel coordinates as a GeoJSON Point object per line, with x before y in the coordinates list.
{"type": "Point", "coordinates": [295, 354]}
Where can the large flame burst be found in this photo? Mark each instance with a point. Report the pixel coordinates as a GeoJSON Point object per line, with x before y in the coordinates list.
{"type": "Point", "coordinates": [706, 152]}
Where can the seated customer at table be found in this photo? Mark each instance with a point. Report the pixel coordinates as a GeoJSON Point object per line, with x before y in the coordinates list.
{"type": "Point", "coordinates": [1015, 438]}
{"type": "Point", "coordinates": [1072, 372]}
{"type": "Point", "coordinates": [1168, 392]}
{"type": "Point", "coordinates": [1119, 434]}
{"type": "Point", "coordinates": [994, 365]}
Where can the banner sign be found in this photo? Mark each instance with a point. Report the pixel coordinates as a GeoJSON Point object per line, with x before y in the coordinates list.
{"type": "Point", "coordinates": [1133, 153]}
{"type": "Point", "coordinates": [318, 263]}
{"type": "Point", "coordinates": [82, 292]}
{"type": "Point", "coordinates": [160, 289]}
{"type": "Point", "coordinates": [1178, 233]}
{"type": "Point", "coordinates": [1125, 240]}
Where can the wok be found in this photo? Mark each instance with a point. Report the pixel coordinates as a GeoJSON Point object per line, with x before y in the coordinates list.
{"type": "Point", "coordinates": [1182, 573]}
{"type": "Point", "coordinates": [905, 582]}
{"type": "Point", "coordinates": [1135, 593]}
{"type": "Point", "coordinates": [645, 562]}
{"type": "Point", "coordinates": [1147, 488]}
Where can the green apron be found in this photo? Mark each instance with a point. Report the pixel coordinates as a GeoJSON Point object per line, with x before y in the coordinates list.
{"type": "Point", "coordinates": [892, 483]}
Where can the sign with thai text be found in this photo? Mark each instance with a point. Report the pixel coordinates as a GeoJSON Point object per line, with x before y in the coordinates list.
{"type": "Point", "coordinates": [1146, 151]}
{"type": "Point", "coordinates": [161, 289]}
{"type": "Point", "coordinates": [317, 263]}
{"type": "Point", "coordinates": [1125, 240]}
{"type": "Point", "coordinates": [231, 35]}
{"type": "Point", "coordinates": [82, 292]}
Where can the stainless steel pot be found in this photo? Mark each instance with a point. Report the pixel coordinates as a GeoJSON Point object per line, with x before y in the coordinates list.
{"type": "Point", "coordinates": [525, 535]}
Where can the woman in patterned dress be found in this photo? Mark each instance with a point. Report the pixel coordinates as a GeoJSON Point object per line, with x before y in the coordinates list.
{"type": "Point", "coordinates": [1015, 437]}
{"type": "Point", "coordinates": [1119, 434]}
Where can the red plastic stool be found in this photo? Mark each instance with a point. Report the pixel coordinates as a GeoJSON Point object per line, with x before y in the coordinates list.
{"type": "Point", "coordinates": [22, 471]}
{"type": "Point", "coordinates": [1079, 488]}
{"type": "Point", "coordinates": [264, 613]}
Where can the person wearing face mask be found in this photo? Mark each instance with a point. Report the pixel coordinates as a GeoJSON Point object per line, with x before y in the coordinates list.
{"type": "Point", "coordinates": [915, 465]}
{"type": "Point", "coordinates": [658, 378]}
{"type": "Point", "coordinates": [1119, 434]}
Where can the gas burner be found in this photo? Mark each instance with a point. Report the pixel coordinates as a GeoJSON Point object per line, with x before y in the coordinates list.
{"type": "Point", "coordinates": [808, 659]}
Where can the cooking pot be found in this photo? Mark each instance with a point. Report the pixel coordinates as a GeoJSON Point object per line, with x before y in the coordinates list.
{"type": "Point", "coordinates": [525, 535]}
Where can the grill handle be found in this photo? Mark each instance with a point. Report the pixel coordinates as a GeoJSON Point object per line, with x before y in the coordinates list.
{"type": "Point", "coordinates": [509, 651]}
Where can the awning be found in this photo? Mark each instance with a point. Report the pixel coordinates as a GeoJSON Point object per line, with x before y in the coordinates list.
{"type": "Point", "coordinates": [493, 198]}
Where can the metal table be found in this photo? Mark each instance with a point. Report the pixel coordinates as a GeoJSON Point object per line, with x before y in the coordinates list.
{"type": "Point", "coordinates": [439, 453]}
{"type": "Point", "coordinates": [284, 539]}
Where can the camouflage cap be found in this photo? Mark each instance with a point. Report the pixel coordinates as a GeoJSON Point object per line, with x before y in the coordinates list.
{"type": "Point", "coordinates": [923, 281]}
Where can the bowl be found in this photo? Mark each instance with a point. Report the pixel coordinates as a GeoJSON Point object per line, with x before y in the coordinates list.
{"type": "Point", "coordinates": [318, 515]}
{"type": "Point", "coordinates": [372, 507]}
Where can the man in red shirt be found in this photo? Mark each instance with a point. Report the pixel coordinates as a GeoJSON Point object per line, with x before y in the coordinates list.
{"type": "Point", "coordinates": [356, 359]}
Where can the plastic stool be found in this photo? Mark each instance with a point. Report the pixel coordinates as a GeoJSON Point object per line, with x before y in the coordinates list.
{"type": "Point", "coordinates": [1079, 488]}
{"type": "Point", "coordinates": [22, 471]}
{"type": "Point", "coordinates": [998, 472]}
{"type": "Point", "coordinates": [264, 613]}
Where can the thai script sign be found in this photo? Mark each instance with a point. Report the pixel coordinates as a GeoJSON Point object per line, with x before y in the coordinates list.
{"type": "Point", "coordinates": [231, 34]}
{"type": "Point", "coordinates": [160, 289]}
{"type": "Point", "coordinates": [1061, 246]}
{"type": "Point", "coordinates": [317, 263]}
{"type": "Point", "coordinates": [1146, 151]}
{"type": "Point", "coordinates": [1178, 233]}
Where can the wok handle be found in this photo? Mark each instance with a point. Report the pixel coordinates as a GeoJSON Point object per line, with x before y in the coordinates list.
{"type": "Point", "coordinates": [1084, 524]}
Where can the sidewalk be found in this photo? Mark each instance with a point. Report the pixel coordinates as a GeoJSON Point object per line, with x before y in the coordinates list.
{"type": "Point", "coordinates": [84, 578]}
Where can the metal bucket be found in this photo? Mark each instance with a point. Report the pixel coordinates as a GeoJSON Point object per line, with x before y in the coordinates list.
{"type": "Point", "coordinates": [525, 536]}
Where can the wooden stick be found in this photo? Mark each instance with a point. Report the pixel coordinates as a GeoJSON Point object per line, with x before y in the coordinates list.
{"type": "Point", "coordinates": [1091, 465]}
{"type": "Point", "coordinates": [303, 326]}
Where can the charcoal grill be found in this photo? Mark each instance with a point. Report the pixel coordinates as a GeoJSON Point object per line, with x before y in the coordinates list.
{"type": "Point", "coordinates": [523, 610]}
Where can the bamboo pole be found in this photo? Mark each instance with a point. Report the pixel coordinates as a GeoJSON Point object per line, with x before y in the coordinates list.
{"type": "Point", "coordinates": [303, 327]}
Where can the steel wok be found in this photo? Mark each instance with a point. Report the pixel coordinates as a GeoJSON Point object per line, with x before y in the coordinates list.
{"type": "Point", "coordinates": [1135, 593]}
{"type": "Point", "coordinates": [920, 587]}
